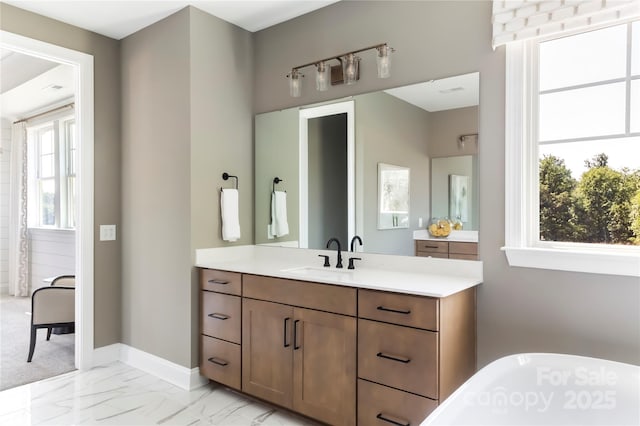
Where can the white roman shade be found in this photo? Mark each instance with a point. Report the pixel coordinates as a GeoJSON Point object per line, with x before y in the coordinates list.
{"type": "Point", "coordinates": [515, 20]}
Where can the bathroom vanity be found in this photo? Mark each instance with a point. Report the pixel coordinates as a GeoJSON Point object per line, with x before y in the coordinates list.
{"type": "Point", "coordinates": [345, 347]}
{"type": "Point", "coordinates": [461, 245]}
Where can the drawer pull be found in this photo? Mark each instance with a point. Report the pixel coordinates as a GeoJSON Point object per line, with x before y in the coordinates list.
{"type": "Point", "coordinates": [219, 316]}
{"type": "Point", "coordinates": [218, 361]}
{"type": "Point", "coordinates": [395, 311]}
{"type": "Point", "coordinates": [397, 422]}
{"type": "Point", "coordinates": [431, 247]}
{"type": "Point", "coordinates": [402, 359]}
{"type": "Point", "coordinates": [214, 281]}
{"type": "Point", "coordinates": [286, 345]}
{"type": "Point", "coordinates": [295, 335]}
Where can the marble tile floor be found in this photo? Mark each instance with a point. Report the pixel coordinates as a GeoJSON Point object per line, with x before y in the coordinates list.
{"type": "Point", "coordinates": [118, 394]}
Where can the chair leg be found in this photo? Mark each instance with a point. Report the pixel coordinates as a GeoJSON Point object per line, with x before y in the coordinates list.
{"type": "Point", "coordinates": [32, 343]}
{"type": "Point", "coordinates": [49, 333]}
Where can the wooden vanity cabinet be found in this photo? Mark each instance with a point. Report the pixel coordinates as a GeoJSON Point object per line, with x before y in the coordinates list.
{"type": "Point", "coordinates": [220, 326]}
{"type": "Point", "coordinates": [299, 358]}
{"type": "Point", "coordinates": [413, 352]}
{"type": "Point", "coordinates": [447, 249]}
{"type": "Point", "coordinates": [336, 354]}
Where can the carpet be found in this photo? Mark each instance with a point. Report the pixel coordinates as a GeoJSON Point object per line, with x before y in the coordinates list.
{"type": "Point", "coordinates": [50, 358]}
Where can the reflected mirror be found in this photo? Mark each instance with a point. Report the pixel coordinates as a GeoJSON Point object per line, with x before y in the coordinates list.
{"type": "Point", "coordinates": [326, 158]}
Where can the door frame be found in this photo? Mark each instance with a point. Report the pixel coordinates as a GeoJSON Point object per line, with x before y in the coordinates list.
{"type": "Point", "coordinates": [306, 114]}
{"type": "Point", "coordinates": [84, 116]}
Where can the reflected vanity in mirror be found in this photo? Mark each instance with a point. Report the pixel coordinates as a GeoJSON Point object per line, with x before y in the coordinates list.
{"type": "Point", "coordinates": [329, 155]}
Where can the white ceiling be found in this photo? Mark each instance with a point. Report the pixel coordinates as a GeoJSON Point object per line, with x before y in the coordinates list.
{"type": "Point", "coordinates": [439, 95]}
{"type": "Point", "coordinates": [118, 19]}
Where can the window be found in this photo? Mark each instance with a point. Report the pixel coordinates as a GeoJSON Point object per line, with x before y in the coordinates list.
{"type": "Point", "coordinates": [52, 150]}
{"type": "Point", "coordinates": [573, 151]}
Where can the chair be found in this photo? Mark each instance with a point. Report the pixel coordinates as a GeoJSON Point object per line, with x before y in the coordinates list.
{"type": "Point", "coordinates": [52, 307]}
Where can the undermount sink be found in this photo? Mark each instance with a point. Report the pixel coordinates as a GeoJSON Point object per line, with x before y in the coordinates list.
{"type": "Point", "coordinates": [320, 272]}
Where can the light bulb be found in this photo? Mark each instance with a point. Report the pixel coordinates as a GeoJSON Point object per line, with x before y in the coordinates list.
{"type": "Point", "coordinates": [383, 60]}
{"type": "Point", "coordinates": [295, 83]}
{"type": "Point", "coordinates": [350, 68]}
{"type": "Point", "coordinates": [323, 75]}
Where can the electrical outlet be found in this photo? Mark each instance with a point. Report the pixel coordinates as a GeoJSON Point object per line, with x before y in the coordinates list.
{"type": "Point", "coordinates": [107, 232]}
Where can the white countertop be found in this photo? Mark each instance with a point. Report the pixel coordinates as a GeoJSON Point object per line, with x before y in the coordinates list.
{"type": "Point", "coordinates": [422, 276]}
{"type": "Point", "coordinates": [458, 236]}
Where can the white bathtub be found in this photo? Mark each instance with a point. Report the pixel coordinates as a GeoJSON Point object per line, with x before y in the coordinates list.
{"type": "Point", "coordinates": [545, 389]}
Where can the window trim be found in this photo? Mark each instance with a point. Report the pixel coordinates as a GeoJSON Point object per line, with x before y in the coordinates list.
{"type": "Point", "coordinates": [58, 123]}
{"type": "Point", "coordinates": [522, 247]}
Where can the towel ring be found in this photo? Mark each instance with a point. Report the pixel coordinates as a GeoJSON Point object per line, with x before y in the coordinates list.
{"type": "Point", "coordinates": [226, 176]}
{"type": "Point", "coordinates": [276, 180]}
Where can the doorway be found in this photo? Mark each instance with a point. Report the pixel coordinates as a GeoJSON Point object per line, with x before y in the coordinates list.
{"type": "Point", "coordinates": [327, 174]}
{"type": "Point", "coordinates": [82, 65]}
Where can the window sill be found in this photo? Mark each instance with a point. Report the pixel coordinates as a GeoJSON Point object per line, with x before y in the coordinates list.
{"type": "Point", "coordinates": [587, 261]}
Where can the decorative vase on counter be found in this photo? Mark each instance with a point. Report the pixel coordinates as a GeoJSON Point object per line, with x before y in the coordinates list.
{"type": "Point", "coordinates": [439, 227]}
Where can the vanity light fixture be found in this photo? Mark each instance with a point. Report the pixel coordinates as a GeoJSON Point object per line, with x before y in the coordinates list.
{"type": "Point", "coordinates": [462, 139]}
{"type": "Point", "coordinates": [347, 70]}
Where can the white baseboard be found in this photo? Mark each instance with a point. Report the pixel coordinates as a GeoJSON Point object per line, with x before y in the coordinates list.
{"type": "Point", "coordinates": [186, 378]}
{"type": "Point", "coordinates": [106, 355]}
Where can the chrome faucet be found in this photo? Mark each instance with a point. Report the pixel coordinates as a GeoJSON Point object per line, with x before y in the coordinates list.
{"type": "Point", "coordinates": [353, 242]}
{"type": "Point", "coordinates": [339, 264]}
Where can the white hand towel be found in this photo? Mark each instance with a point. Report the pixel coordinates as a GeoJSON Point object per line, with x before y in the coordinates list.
{"type": "Point", "coordinates": [279, 226]}
{"type": "Point", "coordinates": [230, 214]}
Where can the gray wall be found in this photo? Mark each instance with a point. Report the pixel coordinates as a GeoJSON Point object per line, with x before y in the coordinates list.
{"type": "Point", "coordinates": [277, 154]}
{"type": "Point", "coordinates": [444, 129]}
{"type": "Point", "coordinates": [106, 54]}
{"type": "Point", "coordinates": [156, 139]}
{"type": "Point", "coordinates": [186, 119]}
{"type": "Point", "coordinates": [390, 131]}
{"type": "Point", "coordinates": [221, 137]}
{"type": "Point", "coordinates": [446, 126]}
{"type": "Point", "coordinates": [519, 309]}
{"type": "Point", "coordinates": [441, 169]}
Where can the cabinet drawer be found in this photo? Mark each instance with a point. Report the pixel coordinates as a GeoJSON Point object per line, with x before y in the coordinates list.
{"type": "Point", "coordinates": [463, 256]}
{"type": "Point", "coordinates": [221, 316]}
{"type": "Point", "coordinates": [463, 248]}
{"type": "Point", "coordinates": [401, 357]}
{"type": "Point", "coordinates": [379, 405]}
{"type": "Point", "coordinates": [220, 361]}
{"type": "Point", "coordinates": [432, 246]}
{"type": "Point", "coordinates": [221, 281]}
{"type": "Point", "coordinates": [404, 309]}
{"type": "Point", "coordinates": [323, 297]}
{"type": "Point", "coordinates": [432, 254]}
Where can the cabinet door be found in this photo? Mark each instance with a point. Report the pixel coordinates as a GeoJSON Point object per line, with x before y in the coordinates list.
{"type": "Point", "coordinates": [267, 351]}
{"type": "Point", "coordinates": [324, 366]}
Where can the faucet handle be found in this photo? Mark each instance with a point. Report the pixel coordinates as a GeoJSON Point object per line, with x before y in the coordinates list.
{"type": "Point", "coordinates": [351, 265]}
{"type": "Point", "coordinates": [326, 260]}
